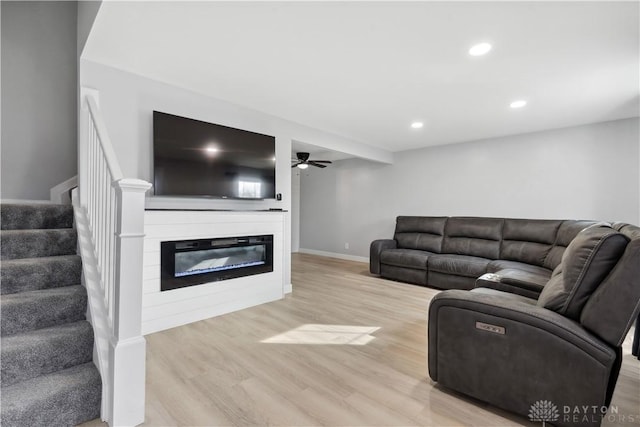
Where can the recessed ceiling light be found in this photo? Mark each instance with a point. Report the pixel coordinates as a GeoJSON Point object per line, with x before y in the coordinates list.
{"type": "Point", "coordinates": [417, 125]}
{"type": "Point", "coordinates": [479, 49]}
{"type": "Point", "coordinates": [518, 104]}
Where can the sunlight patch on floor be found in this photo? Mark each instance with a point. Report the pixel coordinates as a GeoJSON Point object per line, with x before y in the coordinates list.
{"type": "Point", "coordinates": [325, 334]}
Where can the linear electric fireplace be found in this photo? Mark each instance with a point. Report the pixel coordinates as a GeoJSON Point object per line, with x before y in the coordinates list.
{"type": "Point", "coordinates": [194, 262]}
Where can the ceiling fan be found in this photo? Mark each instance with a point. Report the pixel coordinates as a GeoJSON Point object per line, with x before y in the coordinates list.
{"type": "Point", "coordinates": [302, 161]}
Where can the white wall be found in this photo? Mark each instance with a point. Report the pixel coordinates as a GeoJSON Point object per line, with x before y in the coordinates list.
{"type": "Point", "coordinates": [587, 172]}
{"type": "Point", "coordinates": [295, 210]}
{"type": "Point", "coordinates": [39, 78]}
{"type": "Point", "coordinates": [127, 102]}
{"type": "Point", "coordinates": [87, 12]}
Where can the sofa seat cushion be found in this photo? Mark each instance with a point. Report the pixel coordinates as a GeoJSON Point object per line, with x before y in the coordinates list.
{"type": "Point", "coordinates": [403, 274]}
{"type": "Point", "coordinates": [500, 264]}
{"type": "Point", "coordinates": [410, 258]}
{"type": "Point", "coordinates": [460, 265]}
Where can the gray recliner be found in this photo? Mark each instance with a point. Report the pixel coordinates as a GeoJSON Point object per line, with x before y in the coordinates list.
{"type": "Point", "coordinates": [563, 349]}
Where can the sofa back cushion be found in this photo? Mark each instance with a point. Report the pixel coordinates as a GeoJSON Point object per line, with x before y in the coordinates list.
{"type": "Point", "coordinates": [585, 264]}
{"type": "Point", "coordinates": [420, 232]}
{"type": "Point", "coordinates": [615, 305]}
{"type": "Point", "coordinates": [473, 236]}
{"type": "Point", "coordinates": [528, 240]}
{"type": "Point", "coordinates": [567, 231]}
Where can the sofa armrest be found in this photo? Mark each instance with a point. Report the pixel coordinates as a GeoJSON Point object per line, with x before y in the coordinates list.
{"type": "Point", "coordinates": [377, 246]}
{"type": "Point", "coordinates": [513, 281]}
{"type": "Point", "coordinates": [518, 310]}
{"type": "Point", "coordinates": [505, 350]}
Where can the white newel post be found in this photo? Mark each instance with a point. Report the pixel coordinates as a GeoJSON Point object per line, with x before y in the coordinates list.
{"type": "Point", "coordinates": [127, 355]}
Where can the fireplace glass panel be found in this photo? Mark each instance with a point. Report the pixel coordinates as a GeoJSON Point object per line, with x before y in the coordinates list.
{"type": "Point", "coordinates": [194, 262]}
{"type": "Point", "coordinates": [207, 261]}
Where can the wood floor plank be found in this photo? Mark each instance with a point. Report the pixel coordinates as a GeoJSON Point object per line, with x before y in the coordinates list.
{"type": "Point", "coordinates": [232, 370]}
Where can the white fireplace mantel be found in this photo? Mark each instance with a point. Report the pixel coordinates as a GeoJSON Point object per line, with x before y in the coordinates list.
{"type": "Point", "coordinates": [168, 309]}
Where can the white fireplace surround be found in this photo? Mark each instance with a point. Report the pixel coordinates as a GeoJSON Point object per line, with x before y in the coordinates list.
{"type": "Point", "coordinates": [164, 310]}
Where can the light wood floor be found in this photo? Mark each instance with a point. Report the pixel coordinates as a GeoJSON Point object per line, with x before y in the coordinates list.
{"type": "Point", "coordinates": [220, 372]}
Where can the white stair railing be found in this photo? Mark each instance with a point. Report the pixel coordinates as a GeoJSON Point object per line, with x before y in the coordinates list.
{"type": "Point", "coordinates": [110, 221]}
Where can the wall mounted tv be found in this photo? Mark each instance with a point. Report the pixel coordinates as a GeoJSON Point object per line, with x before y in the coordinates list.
{"type": "Point", "coordinates": [195, 158]}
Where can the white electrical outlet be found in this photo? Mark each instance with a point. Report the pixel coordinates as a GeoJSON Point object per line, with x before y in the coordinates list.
{"type": "Point", "coordinates": [346, 246]}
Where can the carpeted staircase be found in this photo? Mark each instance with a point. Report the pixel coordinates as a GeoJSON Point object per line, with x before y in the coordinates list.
{"type": "Point", "coordinates": [48, 377]}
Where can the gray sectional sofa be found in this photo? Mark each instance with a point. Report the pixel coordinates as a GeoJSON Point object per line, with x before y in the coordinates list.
{"type": "Point", "coordinates": [452, 252]}
{"type": "Point", "coordinates": [535, 313]}
{"type": "Point", "coordinates": [562, 350]}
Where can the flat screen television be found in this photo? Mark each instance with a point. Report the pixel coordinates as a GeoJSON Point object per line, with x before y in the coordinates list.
{"type": "Point", "coordinates": [195, 158]}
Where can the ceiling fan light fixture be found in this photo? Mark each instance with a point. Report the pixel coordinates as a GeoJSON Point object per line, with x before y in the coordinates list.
{"type": "Point", "coordinates": [303, 161]}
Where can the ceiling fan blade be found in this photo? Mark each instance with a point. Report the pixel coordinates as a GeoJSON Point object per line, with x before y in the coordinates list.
{"type": "Point", "coordinates": [318, 165]}
{"type": "Point", "coordinates": [322, 161]}
{"type": "Point", "coordinates": [296, 164]}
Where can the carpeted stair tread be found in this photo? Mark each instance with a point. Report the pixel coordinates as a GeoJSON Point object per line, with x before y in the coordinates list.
{"type": "Point", "coordinates": [37, 243]}
{"type": "Point", "coordinates": [62, 398]}
{"type": "Point", "coordinates": [31, 310]}
{"type": "Point", "coordinates": [30, 354]}
{"type": "Point", "coordinates": [32, 274]}
{"type": "Point", "coordinates": [35, 216]}
{"type": "Point", "coordinates": [47, 376]}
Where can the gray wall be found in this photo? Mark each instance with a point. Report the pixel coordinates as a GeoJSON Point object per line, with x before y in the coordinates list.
{"type": "Point", "coordinates": [589, 172]}
{"type": "Point", "coordinates": [38, 95]}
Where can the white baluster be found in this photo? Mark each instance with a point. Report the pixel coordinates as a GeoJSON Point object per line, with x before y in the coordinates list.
{"type": "Point", "coordinates": [114, 209]}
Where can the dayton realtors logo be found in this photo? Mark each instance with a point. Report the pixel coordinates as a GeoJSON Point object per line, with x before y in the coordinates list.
{"type": "Point", "coordinates": [545, 411]}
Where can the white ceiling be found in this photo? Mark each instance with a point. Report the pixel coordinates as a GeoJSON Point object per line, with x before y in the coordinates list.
{"type": "Point", "coordinates": [317, 152]}
{"type": "Point", "coordinates": [366, 70]}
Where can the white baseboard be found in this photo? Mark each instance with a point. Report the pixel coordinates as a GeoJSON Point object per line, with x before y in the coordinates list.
{"type": "Point", "coordinates": [26, 202]}
{"type": "Point", "coordinates": [288, 288]}
{"type": "Point", "coordinates": [335, 255]}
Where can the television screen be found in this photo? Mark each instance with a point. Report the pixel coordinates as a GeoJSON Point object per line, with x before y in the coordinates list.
{"type": "Point", "coordinates": [195, 158]}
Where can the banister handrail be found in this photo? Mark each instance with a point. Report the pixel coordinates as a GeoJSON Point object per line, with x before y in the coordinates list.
{"type": "Point", "coordinates": [103, 136]}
